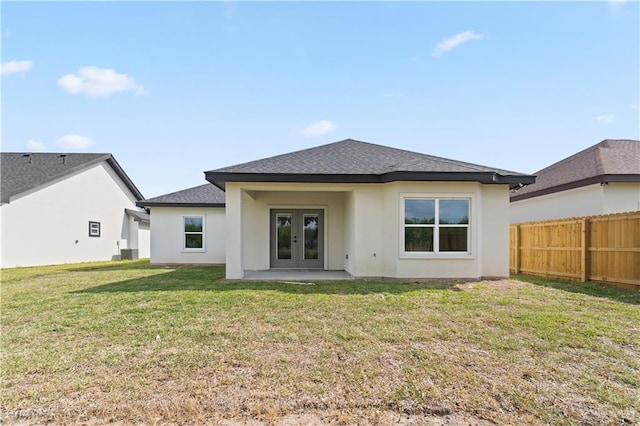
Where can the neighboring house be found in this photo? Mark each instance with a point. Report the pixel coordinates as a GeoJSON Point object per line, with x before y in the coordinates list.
{"type": "Point", "coordinates": [188, 226]}
{"type": "Point", "coordinates": [604, 178]}
{"type": "Point", "coordinates": [66, 208]}
{"type": "Point", "coordinates": [370, 210]}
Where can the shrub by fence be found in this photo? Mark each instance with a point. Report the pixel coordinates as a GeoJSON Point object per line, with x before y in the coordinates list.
{"type": "Point", "coordinates": [596, 248]}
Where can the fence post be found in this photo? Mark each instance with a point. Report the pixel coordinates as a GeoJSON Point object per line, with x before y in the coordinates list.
{"type": "Point", "coordinates": [584, 251]}
{"type": "Point", "coordinates": [516, 252]}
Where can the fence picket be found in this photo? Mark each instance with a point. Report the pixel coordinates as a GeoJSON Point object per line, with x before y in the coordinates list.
{"type": "Point", "coordinates": [602, 248]}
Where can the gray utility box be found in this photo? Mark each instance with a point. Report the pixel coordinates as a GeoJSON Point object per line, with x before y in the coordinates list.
{"type": "Point", "coordinates": [129, 254]}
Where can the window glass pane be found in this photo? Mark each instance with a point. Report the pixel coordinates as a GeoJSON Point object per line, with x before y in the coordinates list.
{"type": "Point", "coordinates": [193, 241]}
{"type": "Point", "coordinates": [419, 211]}
{"type": "Point", "coordinates": [192, 224]}
{"type": "Point", "coordinates": [94, 229]}
{"type": "Point", "coordinates": [453, 239]}
{"type": "Point", "coordinates": [418, 239]}
{"type": "Point", "coordinates": [311, 236]}
{"type": "Point", "coordinates": [454, 212]}
{"type": "Point", "coordinates": [283, 226]}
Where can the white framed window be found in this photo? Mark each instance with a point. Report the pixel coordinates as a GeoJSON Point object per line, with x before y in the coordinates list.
{"type": "Point", "coordinates": [435, 226]}
{"type": "Point", "coordinates": [94, 229]}
{"type": "Point", "coordinates": [193, 233]}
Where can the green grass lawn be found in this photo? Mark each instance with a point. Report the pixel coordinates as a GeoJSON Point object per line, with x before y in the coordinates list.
{"type": "Point", "coordinates": [79, 343]}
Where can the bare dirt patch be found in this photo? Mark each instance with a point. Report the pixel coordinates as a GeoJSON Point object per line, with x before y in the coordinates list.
{"type": "Point", "coordinates": [495, 285]}
{"type": "Point", "coordinates": [305, 419]}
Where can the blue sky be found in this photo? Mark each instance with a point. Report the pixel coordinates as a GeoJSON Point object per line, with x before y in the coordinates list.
{"type": "Point", "coordinates": [174, 89]}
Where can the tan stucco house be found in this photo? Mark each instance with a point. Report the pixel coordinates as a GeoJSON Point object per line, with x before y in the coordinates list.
{"type": "Point", "coordinates": [370, 210]}
{"type": "Point", "coordinates": [188, 226]}
{"type": "Point", "coordinates": [601, 179]}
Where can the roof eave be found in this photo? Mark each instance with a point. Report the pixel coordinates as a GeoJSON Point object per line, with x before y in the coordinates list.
{"type": "Point", "coordinates": [220, 178]}
{"type": "Point", "coordinates": [600, 179]}
{"type": "Point", "coordinates": [177, 204]}
{"type": "Point", "coordinates": [122, 175]}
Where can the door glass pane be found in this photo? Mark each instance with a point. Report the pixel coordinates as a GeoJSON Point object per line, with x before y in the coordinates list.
{"type": "Point", "coordinates": [454, 212]}
{"type": "Point", "coordinates": [310, 236]}
{"type": "Point", "coordinates": [283, 230]}
{"type": "Point", "coordinates": [419, 211]}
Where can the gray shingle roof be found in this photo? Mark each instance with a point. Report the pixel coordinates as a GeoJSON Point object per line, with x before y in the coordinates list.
{"type": "Point", "coordinates": [23, 171]}
{"type": "Point", "coordinates": [205, 195]}
{"type": "Point", "coordinates": [357, 161]}
{"type": "Point", "coordinates": [608, 161]}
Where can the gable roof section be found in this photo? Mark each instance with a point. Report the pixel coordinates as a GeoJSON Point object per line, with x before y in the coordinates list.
{"type": "Point", "coordinates": [21, 172]}
{"type": "Point", "coordinates": [355, 161]}
{"type": "Point", "coordinates": [205, 195]}
{"type": "Point", "coordinates": [612, 160]}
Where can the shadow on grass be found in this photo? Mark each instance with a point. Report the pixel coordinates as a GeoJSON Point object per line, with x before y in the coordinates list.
{"type": "Point", "coordinates": [120, 265]}
{"type": "Point", "coordinates": [588, 288]}
{"type": "Point", "coordinates": [10, 275]}
{"type": "Point", "coordinates": [212, 278]}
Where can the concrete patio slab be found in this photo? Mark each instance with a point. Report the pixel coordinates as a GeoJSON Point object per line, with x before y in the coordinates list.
{"type": "Point", "coordinates": [297, 275]}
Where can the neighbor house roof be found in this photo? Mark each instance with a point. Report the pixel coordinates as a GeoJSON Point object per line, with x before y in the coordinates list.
{"type": "Point", "coordinates": [24, 171]}
{"type": "Point", "coordinates": [612, 160]}
{"type": "Point", "coordinates": [205, 195]}
{"type": "Point", "coordinates": [355, 161]}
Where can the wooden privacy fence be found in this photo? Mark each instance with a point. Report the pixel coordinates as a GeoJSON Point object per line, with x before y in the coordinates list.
{"type": "Point", "coordinates": [596, 248]}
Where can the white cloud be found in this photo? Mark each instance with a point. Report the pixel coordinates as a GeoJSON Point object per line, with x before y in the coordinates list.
{"type": "Point", "coordinates": [74, 142]}
{"type": "Point", "coordinates": [455, 41]}
{"type": "Point", "coordinates": [605, 118]}
{"type": "Point", "coordinates": [320, 128]}
{"type": "Point", "coordinates": [616, 7]}
{"type": "Point", "coordinates": [35, 146]}
{"type": "Point", "coordinates": [14, 66]}
{"type": "Point", "coordinates": [229, 11]}
{"type": "Point", "coordinates": [634, 107]}
{"type": "Point", "coordinates": [93, 81]}
{"type": "Point", "coordinates": [7, 34]}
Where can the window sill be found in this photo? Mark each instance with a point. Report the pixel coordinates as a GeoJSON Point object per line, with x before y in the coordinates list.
{"type": "Point", "coordinates": [193, 251]}
{"type": "Point", "coordinates": [436, 256]}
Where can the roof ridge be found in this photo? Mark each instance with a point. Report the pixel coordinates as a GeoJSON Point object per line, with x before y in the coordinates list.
{"type": "Point", "coordinates": [471, 166]}
{"type": "Point", "coordinates": [615, 158]}
{"type": "Point", "coordinates": [605, 143]}
{"type": "Point", "coordinates": [598, 153]}
{"type": "Point", "coordinates": [464, 164]}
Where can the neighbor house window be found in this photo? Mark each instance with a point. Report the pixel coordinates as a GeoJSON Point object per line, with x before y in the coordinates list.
{"type": "Point", "coordinates": [436, 225]}
{"type": "Point", "coordinates": [94, 229]}
{"type": "Point", "coordinates": [193, 227]}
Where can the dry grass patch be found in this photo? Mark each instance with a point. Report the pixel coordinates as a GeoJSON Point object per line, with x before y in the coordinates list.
{"type": "Point", "coordinates": [79, 345]}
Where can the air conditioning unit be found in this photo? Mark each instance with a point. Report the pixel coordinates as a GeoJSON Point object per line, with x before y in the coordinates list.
{"type": "Point", "coordinates": [128, 254]}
